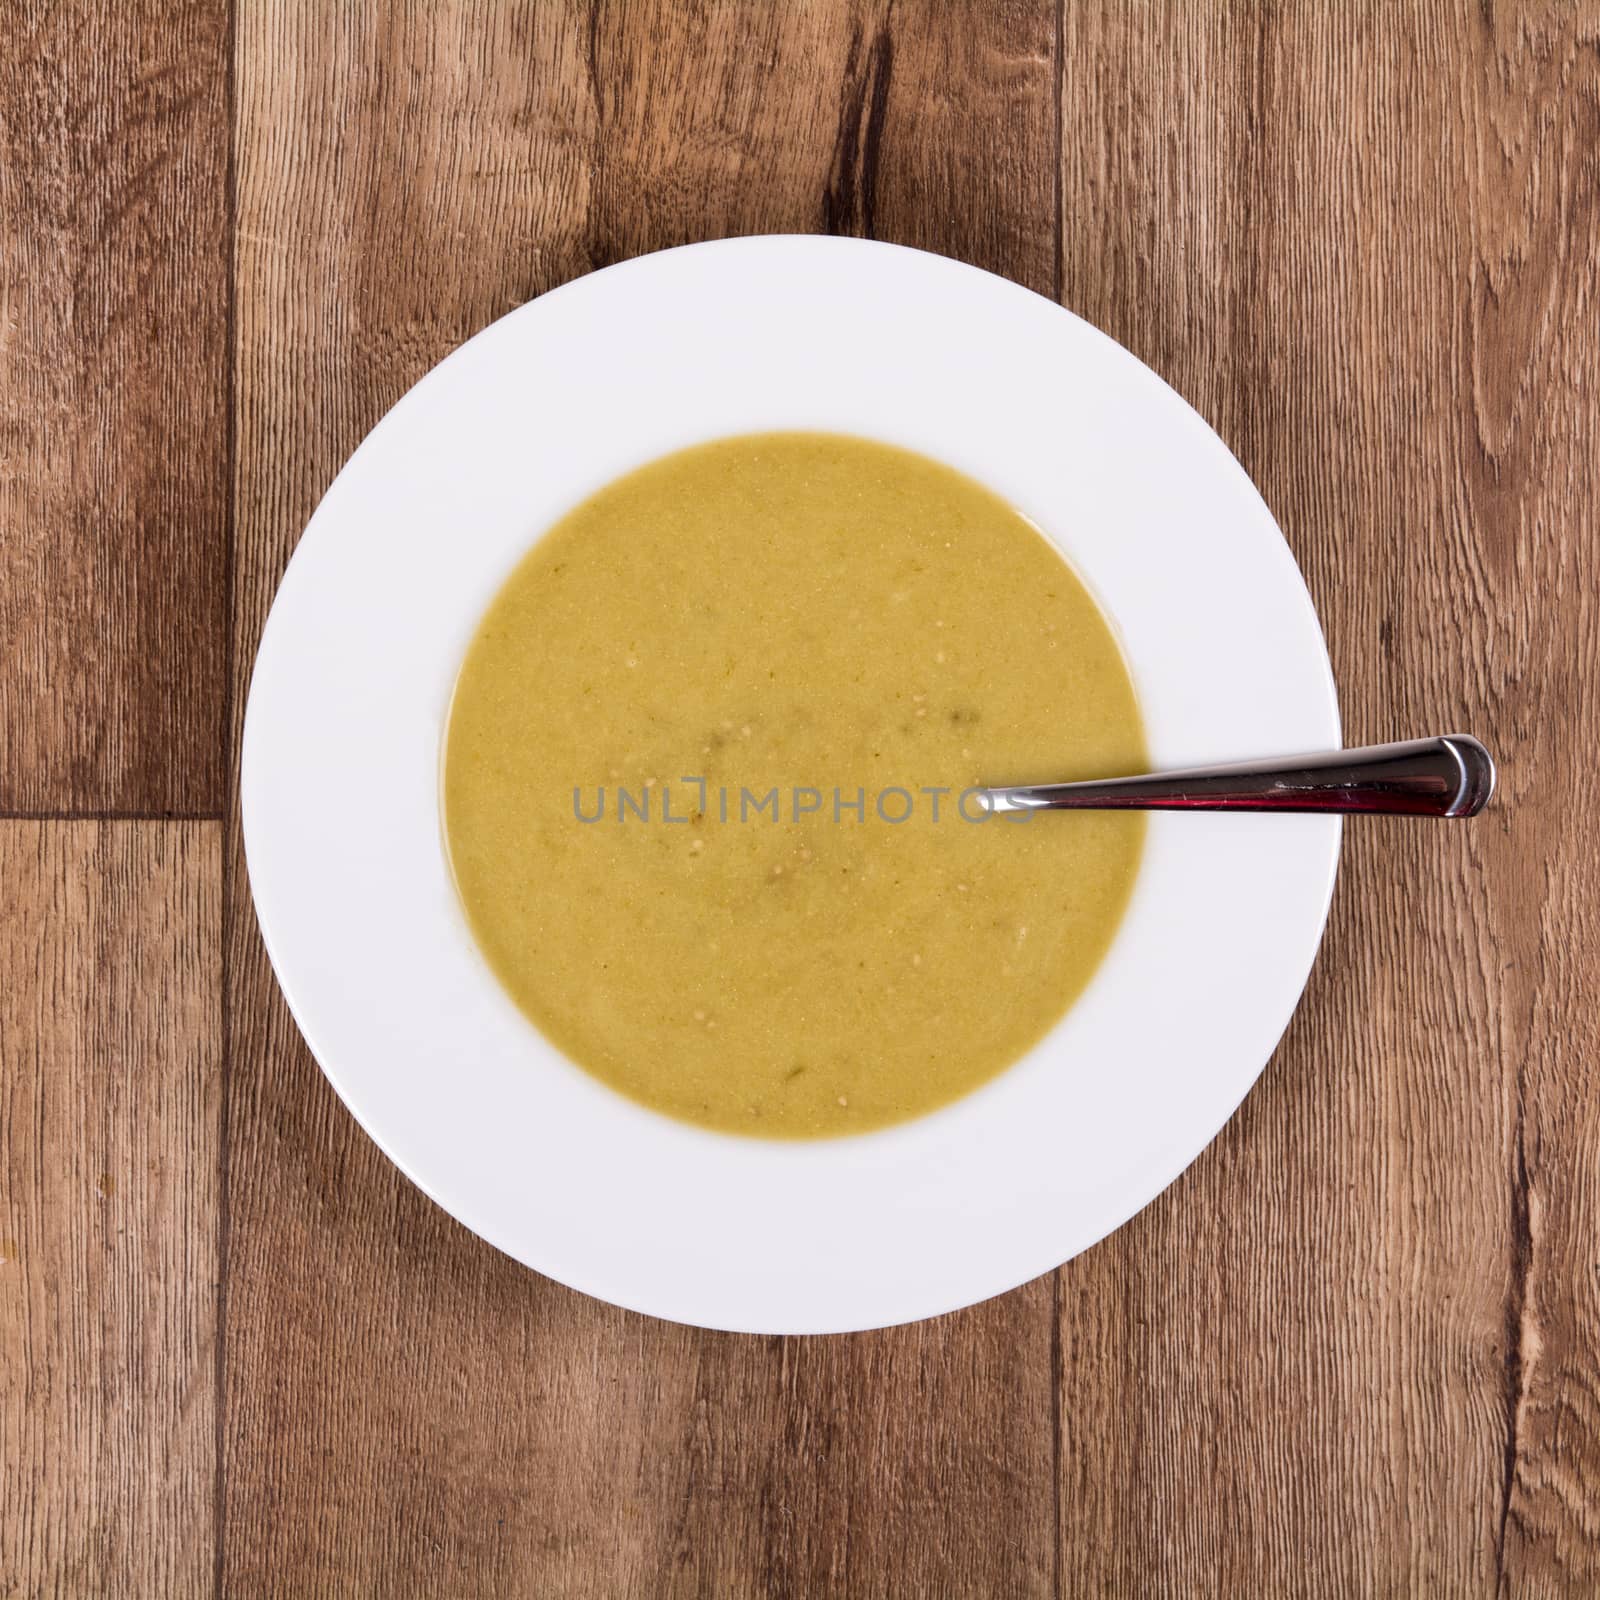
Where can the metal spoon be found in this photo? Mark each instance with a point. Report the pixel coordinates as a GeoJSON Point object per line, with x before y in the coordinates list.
{"type": "Point", "coordinates": [1451, 776]}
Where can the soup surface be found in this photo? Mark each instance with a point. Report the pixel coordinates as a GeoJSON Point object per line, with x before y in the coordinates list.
{"type": "Point", "coordinates": [703, 779]}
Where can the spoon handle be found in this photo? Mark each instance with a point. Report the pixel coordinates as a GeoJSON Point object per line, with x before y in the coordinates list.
{"type": "Point", "coordinates": [1451, 776]}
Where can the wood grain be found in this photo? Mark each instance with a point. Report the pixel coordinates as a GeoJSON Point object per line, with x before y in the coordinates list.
{"type": "Point", "coordinates": [114, 144]}
{"type": "Point", "coordinates": [405, 1410]}
{"type": "Point", "coordinates": [110, 1023]}
{"type": "Point", "coordinates": [1353, 1350]}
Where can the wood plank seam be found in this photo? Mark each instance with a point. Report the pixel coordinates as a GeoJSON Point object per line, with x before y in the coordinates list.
{"type": "Point", "coordinates": [230, 791]}
{"type": "Point", "coordinates": [90, 815]}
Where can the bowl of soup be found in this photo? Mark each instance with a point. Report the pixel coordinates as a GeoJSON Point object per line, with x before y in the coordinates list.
{"type": "Point", "coordinates": [613, 770]}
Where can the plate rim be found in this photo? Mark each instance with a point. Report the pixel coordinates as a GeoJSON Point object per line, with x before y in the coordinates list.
{"type": "Point", "coordinates": [489, 1228]}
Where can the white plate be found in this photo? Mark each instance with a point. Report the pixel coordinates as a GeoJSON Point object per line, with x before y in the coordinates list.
{"type": "Point", "coordinates": [341, 773]}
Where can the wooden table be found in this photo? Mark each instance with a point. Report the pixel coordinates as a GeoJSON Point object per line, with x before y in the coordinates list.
{"type": "Point", "coordinates": [1353, 1351]}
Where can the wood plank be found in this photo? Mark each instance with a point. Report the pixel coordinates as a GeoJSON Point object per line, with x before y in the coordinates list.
{"type": "Point", "coordinates": [110, 1024]}
{"type": "Point", "coordinates": [831, 118]}
{"type": "Point", "coordinates": [1354, 1349]}
{"type": "Point", "coordinates": [405, 1410]}
{"type": "Point", "coordinates": [113, 408]}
